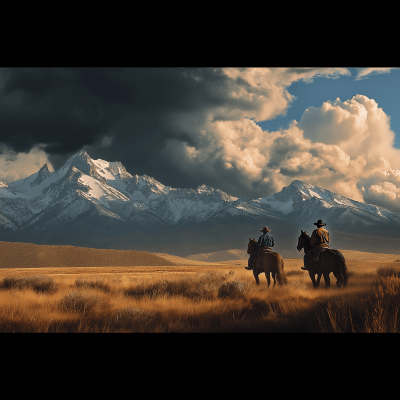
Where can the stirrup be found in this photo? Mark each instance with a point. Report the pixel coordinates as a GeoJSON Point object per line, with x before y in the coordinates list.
{"type": "Point", "coordinates": [304, 268]}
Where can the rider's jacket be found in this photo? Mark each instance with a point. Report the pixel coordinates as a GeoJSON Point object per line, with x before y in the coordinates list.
{"type": "Point", "coordinates": [265, 240]}
{"type": "Point", "coordinates": [320, 238]}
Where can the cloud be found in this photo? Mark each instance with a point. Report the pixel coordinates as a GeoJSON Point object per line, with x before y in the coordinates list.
{"type": "Point", "coordinates": [364, 72]}
{"type": "Point", "coordinates": [106, 141]}
{"type": "Point", "coordinates": [263, 92]}
{"type": "Point", "coordinates": [386, 195]}
{"type": "Point", "coordinates": [382, 188]}
{"type": "Point", "coordinates": [189, 126]}
{"type": "Point", "coordinates": [345, 146]}
{"type": "Point", "coordinates": [357, 126]}
{"type": "Point", "coordinates": [15, 166]}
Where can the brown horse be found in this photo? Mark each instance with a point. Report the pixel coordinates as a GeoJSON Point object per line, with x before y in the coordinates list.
{"type": "Point", "coordinates": [269, 263]}
{"type": "Point", "coordinates": [329, 261]}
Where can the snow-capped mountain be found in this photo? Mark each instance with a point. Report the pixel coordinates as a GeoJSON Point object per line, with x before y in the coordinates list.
{"type": "Point", "coordinates": [87, 199]}
{"type": "Point", "coordinates": [87, 187]}
{"type": "Point", "coordinates": [302, 202]}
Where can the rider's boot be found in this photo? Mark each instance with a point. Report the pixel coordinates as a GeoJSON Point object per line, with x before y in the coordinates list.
{"type": "Point", "coordinates": [312, 265]}
{"type": "Point", "coordinates": [304, 268]}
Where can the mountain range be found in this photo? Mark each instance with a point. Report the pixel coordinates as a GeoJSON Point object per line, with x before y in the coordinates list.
{"type": "Point", "coordinates": [96, 203]}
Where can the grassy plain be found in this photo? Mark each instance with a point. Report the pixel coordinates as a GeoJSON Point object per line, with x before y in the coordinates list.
{"type": "Point", "coordinates": [185, 295]}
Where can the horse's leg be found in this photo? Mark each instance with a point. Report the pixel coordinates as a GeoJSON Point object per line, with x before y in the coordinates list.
{"type": "Point", "coordinates": [255, 273]}
{"type": "Point", "coordinates": [319, 278]}
{"type": "Point", "coordinates": [336, 270]}
{"type": "Point", "coordinates": [273, 277]}
{"type": "Point", "coordinates": [268, 277]}
{"type": "Point", "coordinates": [337, 275]}
{"type": "Point", "coordinates": [312, 276]}
{"type": "Point", "coordinates": [327, 279]}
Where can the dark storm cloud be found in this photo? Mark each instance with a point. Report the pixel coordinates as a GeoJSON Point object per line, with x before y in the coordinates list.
{"type": "Point", "coordinates": [73, 107]}
{"type": "Point", "coordinates": [48, 106]}
{"type": "Point", "coordinates": [67, 109]}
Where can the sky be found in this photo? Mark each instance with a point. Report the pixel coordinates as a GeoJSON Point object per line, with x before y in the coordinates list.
{"type": "Point", "coordinates": [246, 131]}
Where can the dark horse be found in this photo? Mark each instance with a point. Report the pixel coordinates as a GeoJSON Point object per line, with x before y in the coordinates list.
{"type": "Point", "coordinates": [329, 261]}
{"type": "Point", "coordinates": [269, 263]}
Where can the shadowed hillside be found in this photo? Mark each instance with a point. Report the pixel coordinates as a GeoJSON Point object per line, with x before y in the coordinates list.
{"type": "Point", "coordinates": [27, 255]}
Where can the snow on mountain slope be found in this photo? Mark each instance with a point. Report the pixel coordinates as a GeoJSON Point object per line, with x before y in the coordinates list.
{"type": "Point", "coordinates": [33, 185]}
{"type": "Point", "coordinates": [302, 201]}
{"type": "Point", "coordinates": [101, 192]}
{"type": "Point", "coordinates": [111, 170]}
{"type": "Point", "coordinates": [285, 207]}
{"type": "Point", "coordinates": [109, 187]}
{"type": "Point", "coordinates": [89, 190]}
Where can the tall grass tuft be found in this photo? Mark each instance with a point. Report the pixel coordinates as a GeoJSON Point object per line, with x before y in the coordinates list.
{"type": "Point", "coordinates": [377, 313]}
{"type": "Point", "coordinates": [93, 284]}
{"type": "Point", "coordinates": [337, 318]}
{"type": "Point", "coordinates": [39, 283]}
{"type": "Point", "coordinates": [79, 302]}
{"type": "Point", "coordinates": [200, 287]}
{"type": "Point", "coordinates": [232, 289]}
{"type": "Point", "coordinates": [383, 316]}
{"type": "Point", "coordinates": [388, 271]}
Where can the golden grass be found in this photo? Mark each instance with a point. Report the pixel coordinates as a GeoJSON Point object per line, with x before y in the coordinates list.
{"type": "Point", "coordinates": [193, 303]}
{"type": "Point", "coordinates": [374, 313]}
{"type": "Point", "coordinates": [198, 298]}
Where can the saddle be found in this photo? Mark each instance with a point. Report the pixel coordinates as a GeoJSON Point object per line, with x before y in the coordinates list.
{"type": "Point", "coordinates": [312, 256]}
{"type": "Point", "coordinates": [261, 252]}
{"type": "Point", "coordinates": [264, 249]}
{"type": "Point", "coordinates": [317, 253]}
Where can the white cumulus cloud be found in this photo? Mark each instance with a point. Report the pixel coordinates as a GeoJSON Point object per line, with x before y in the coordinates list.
{"type": "Point", "coordinates": [345, 146]}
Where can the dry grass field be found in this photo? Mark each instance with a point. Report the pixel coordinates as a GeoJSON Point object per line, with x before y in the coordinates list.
{"type": "Point", "coordinates": [72, 289]}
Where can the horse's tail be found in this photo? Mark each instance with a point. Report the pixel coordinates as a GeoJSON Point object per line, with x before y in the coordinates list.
{"type": "Point", "coordinates": [342, 270]}
{"type": "Point", "coordinates": [281, 276]}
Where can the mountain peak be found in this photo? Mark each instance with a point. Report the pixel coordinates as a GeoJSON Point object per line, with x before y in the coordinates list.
{"type": "Point", "coordinates": [82, 162]}
{"type": "Point", "coordinates": [119, 170]}
{"type": "Point", "coordinates": [208, 190]}
{"type": "Point", "coordinates": [205, 188]}
{"type": "Point", "coordinates": [82, 154]}
{"type": "Point", "coordinates": [306, 190]}
{"type": "Point", "coordinates": [42, 174]}
{"type": "Point", "coordinates": [300, 184]}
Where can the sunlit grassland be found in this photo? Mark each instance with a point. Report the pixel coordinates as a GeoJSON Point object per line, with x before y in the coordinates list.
{"type": "Point", "coordinates": [376, 311]}
{"type": "Point", "coordinates": [221, 300]}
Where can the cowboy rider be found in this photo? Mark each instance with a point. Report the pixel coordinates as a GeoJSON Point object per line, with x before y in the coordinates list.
{"type": "Point", "coordinates": [319, 240]}
{"type": "Point", "coordinates": [265, 242]}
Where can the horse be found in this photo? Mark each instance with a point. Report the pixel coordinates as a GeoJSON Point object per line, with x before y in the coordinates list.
{"type": "Point", "coordinates": [270, 263]}
{"type": "Point", "coordinates": [329, 261]}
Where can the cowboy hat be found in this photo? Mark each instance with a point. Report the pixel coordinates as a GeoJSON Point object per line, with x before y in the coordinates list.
{"type": "Point", "coordinates": [319, 223]}
{"type": "Point", "coordinates": [265, 229]}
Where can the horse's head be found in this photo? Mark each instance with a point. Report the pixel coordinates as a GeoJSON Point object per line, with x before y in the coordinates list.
{"type": "Point", "coordinates": [251, 245]}
{"type": "Point", "coordinates": [302, 241]}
